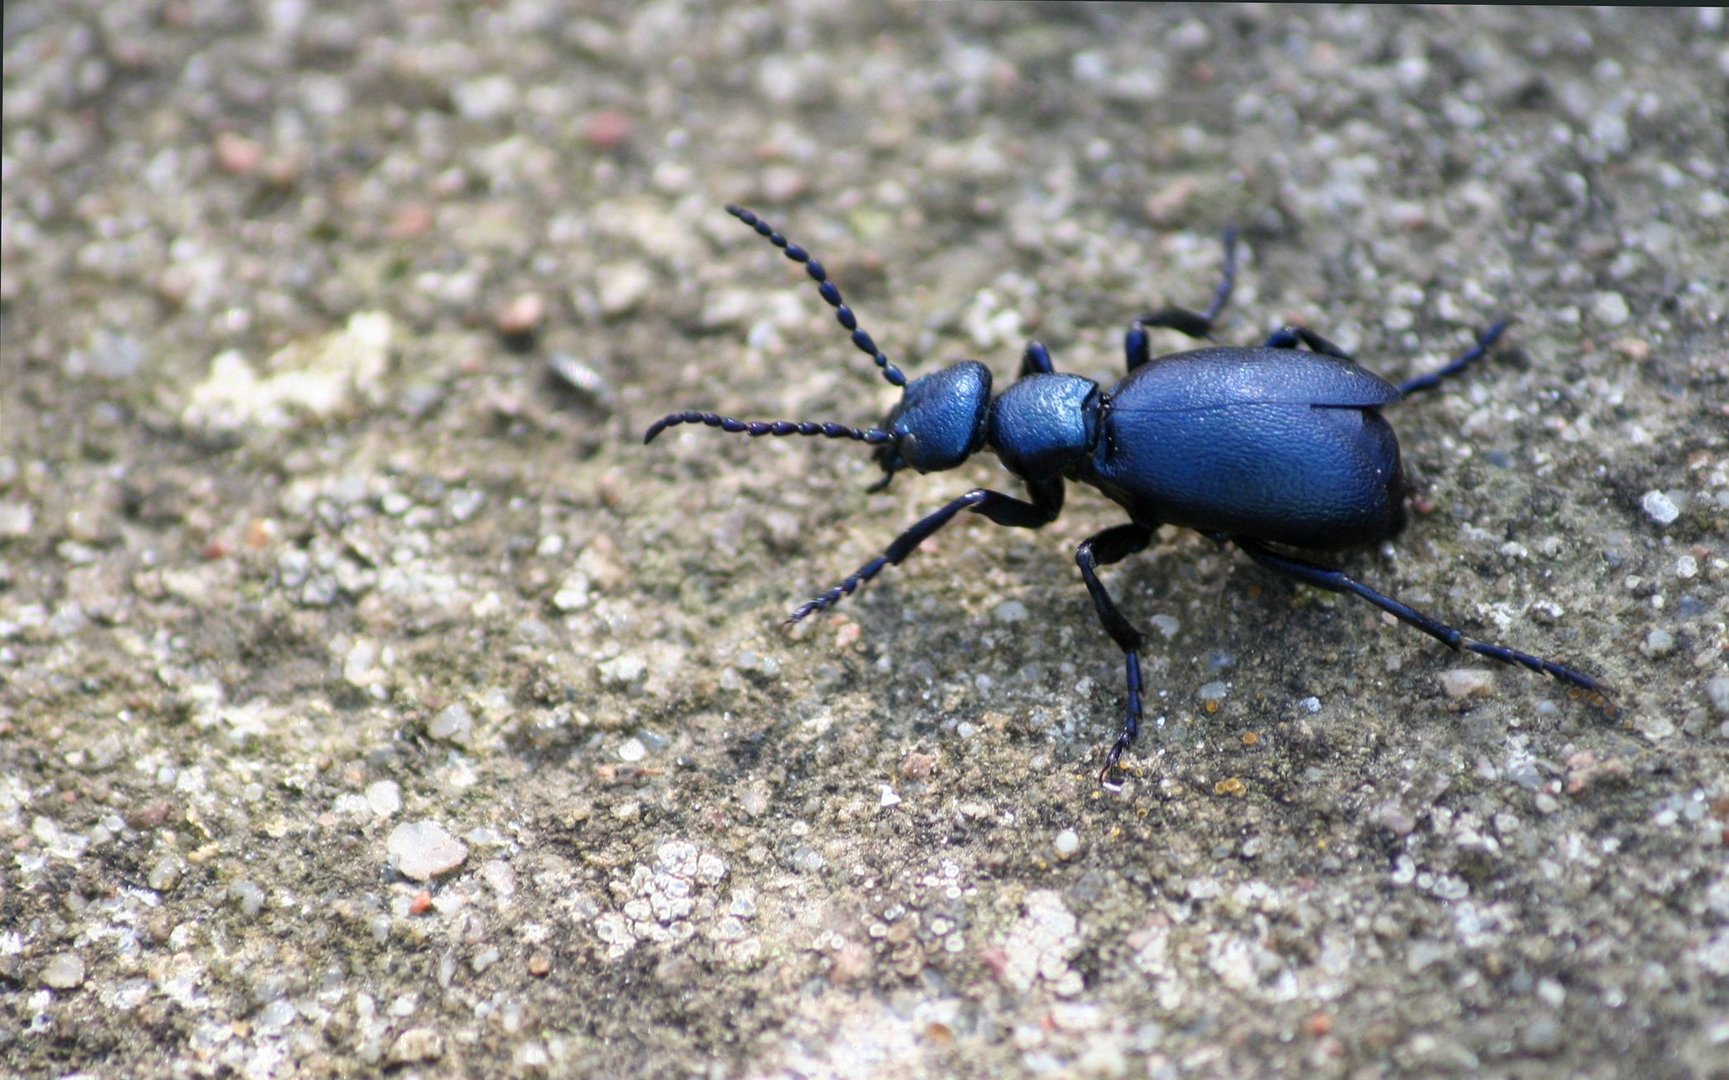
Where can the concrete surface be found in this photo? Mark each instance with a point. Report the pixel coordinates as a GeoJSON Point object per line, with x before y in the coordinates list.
{"type": "Point", "coordinates": [370, 697]}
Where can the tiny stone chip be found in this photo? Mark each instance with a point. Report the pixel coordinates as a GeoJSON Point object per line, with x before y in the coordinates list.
{"type": "Point", "coordinates": [63, 971]}
{"type": "Point", "coordinates": [1461, 683]}
{"type": "Point", "coordinates": [422, 850]}
{"type": "Point", "coordinates": [1660, 507]}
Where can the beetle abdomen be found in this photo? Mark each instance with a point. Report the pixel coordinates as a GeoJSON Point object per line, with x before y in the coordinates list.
{"type": "Point", "coordinates": [1274, 444]}
{"type": "Point", "coordinates": [1310, 476]}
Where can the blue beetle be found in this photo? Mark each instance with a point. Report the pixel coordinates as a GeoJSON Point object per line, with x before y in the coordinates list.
{"type": "Point", "coordinates": [1283, 444]}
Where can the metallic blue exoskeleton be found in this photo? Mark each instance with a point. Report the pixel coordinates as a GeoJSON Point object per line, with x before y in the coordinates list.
{"type": "Point", "coordinates": [1257, 446]}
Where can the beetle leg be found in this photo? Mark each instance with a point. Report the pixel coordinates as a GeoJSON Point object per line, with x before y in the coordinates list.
{"type": "Point", "coordinates": [1337, 581]}
{"type": "Point", "coordinates": [1458, 364]}
{"type": "Point", "coordinates": [1114, 545]}
{"type": "Point", "coordinates": [1036, 360]}
{"type": "Point", "coordinates": [1287, 337]}
{"type": "Point", "coordinates": [1196, 324]}
{"type": "Point", "coordinates": [1046, 503]}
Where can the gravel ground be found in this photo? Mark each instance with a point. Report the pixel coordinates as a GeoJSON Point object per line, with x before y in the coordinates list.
{"type": "Point", "coordinates": [369, 696]}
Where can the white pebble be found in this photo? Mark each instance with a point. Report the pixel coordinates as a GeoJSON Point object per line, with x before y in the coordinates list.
{"type": "Point", "coordinates": [63, 971]}
{"type": "Point", "coordinates": [383, 797]}
{"type": "Point", "coordinates": [453, 723]}
{"type": "Point", "coordinates": [1658, 643]}
{"type": "Point", "coordinates": [1462, 683]}
{"type": "Point", "coordinates": [1660, 507]}
{"type": "Point", "coordinates": [422, 850]}
{"type": "Point", "coordinates": [1717, 691]}
{"type": "Point", "coordinates": [1610, 309]}
{"type": "Point", "coordinates": [1067, 843]}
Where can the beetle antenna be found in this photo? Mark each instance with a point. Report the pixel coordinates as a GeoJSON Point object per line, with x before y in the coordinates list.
{"type": "Point", "coordinates": [758, 428]}
{"type": "Point", "coordinates": [827, 289]}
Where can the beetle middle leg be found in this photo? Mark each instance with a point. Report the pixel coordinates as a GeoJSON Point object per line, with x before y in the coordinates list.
{"type": "Point", "coordinates": [1036, 360]}
{"type": "Point", "coordinates": [1196, 324]}
{"type": "Point", "coordinates": [1288, 337]}
{"type": "Point", "coordinates": [1114, 545]}
{"type": "Point", "coordinates": [1046, 504]}
{"type": "Point", "coordinates": [1337, 581]}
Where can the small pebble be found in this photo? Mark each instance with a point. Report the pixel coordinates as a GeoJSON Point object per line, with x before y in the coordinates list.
{"type": "Point", "coordinates": [1167, 205]}
{"type": "Point", "coordinates": [1460, 683]}
{"type": "Point", "coordinates": [247, 896]}
{"type": "Point", "coordinates": [484, 99]}
{"type": "Point", "coordinates": [383, 797]}
{"type": "Point", "coordinates": [573, 593]}
{"type": "Point", "coordinates": [606, 129]}
{"type": "Point", "coordinates": [623, 670]}
{"type": "Point", "coordinates": [465, 503]}
{"type": "Point", "coordinates": [17, 519]}
{"type": "Point", "coordinates": [166, 873]}
{"type": "Point", "coordinates": [1610, 309]}
{"type": "Point", "coordinates": [582, 378]}
{"type": "Point", "coordinates": [454, 723]}
{"type": "Point", "coordinates": [1067, 843]}
{"type": "Point", "coordinates": [422, 850]}
{"type": "Point", "coordinates": [918, 765]}
{"type": "Point", "coordinates": [1717, 690]}
{"type": "Point", "coordinates": [63, 971]}
{"type": "Point", "coordinates": [499, 876]}
{"type": "Point", "coordinates": [236, 154]}
{"type": "Point", "coordinates": [410, 221]}
{"type": "Point", "coordinates": [520, 316]}
{"type": "Point", "coordinates": [1658, 643]}
{"type": "Point", "coordinates": [416, 1044]}
{"type": "Point", "coordinates": [1660, 507]}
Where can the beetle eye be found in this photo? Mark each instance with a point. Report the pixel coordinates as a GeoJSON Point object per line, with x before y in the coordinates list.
{"type": "Point", "coordinates": [908, 445]}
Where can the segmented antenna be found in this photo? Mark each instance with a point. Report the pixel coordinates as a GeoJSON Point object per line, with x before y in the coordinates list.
{"type": "Point", "coordinates": [844, 314]}
{"type": "Point", "coordinates": [758, 428]}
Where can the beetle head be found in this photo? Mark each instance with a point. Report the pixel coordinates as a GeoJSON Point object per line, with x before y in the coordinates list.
{"type": "Point", "coordinates": [939, 421]}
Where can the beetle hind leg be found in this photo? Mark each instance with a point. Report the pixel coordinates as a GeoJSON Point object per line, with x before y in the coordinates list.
{"type": "Point", "coordinates": [1337, 581]}
{"type": "Point", "coordinates": [1114, 545]}
{"type": "Point", "coordinates": [1459, 363]}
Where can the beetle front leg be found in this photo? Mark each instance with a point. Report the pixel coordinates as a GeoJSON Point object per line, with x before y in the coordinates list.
{"type": "Point", "coordinates": [1114, 545]}
{"type": "Point", "coordinates": [1337, 581]}
{"type": "Point", "coordinates": [1046, 504]}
